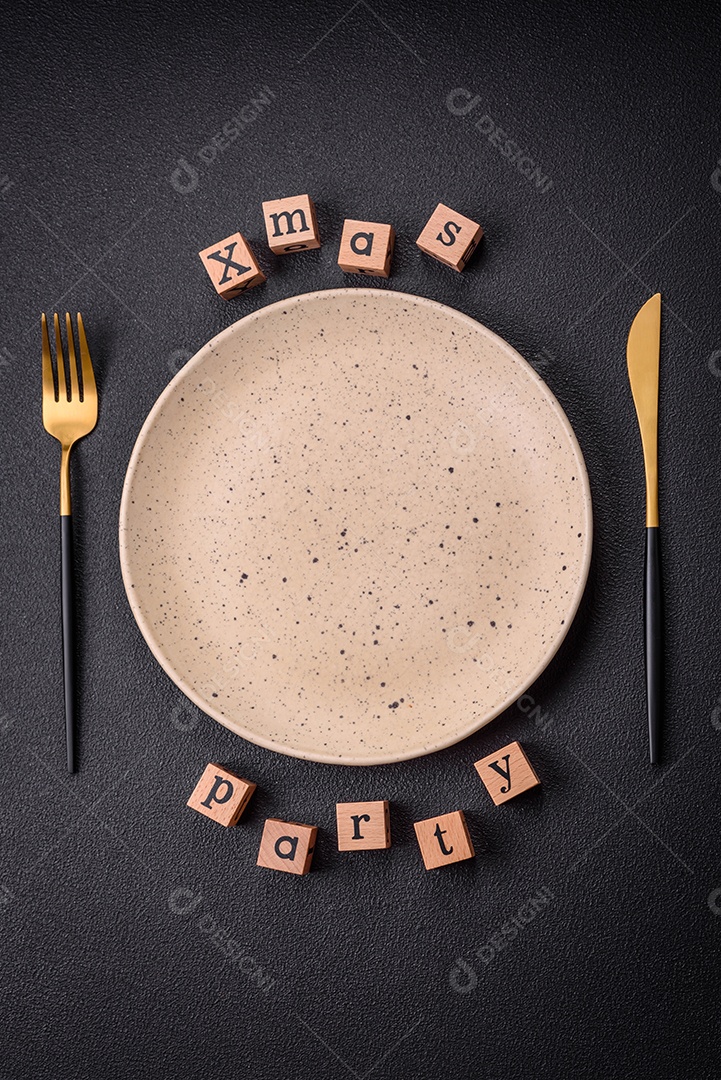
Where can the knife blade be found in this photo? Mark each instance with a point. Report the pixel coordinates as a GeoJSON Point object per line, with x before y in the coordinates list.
{"type": "Point", "coordinates": [643, 352]}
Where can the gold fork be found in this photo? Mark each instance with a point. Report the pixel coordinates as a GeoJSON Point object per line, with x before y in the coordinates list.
{"type": "Point", "coordinates": [68, 414]}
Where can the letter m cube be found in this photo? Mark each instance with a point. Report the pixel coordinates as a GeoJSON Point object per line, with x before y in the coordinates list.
{"type": "Point", "coordinates": [291, 225]}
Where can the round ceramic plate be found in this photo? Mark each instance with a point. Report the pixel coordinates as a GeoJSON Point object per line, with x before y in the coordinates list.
{"type": "Point", "coordinates": [355, 527]}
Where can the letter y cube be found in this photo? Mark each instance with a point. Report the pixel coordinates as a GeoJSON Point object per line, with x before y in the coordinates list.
{"type": "Point", "coordinates": [507, 773]}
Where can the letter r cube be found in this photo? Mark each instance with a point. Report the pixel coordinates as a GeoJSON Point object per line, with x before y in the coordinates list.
{"type": "Point", "coordinates": [221, 795]}
{"type": "Point", "coordinates": [363, 826]}
{"type": "Point", "coordinates": [450, 237]}
{"type": "Point", "coordinates": [231, 266]}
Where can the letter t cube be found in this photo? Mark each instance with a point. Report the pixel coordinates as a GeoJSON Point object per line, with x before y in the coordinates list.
{"type": "Point", "coordinates": [444, 839]}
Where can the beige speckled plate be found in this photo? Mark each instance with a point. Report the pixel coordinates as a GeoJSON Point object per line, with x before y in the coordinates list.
{"type": "Point", "coordinates": [355, 527]}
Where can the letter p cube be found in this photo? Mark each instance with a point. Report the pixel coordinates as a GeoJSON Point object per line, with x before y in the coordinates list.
{"type": "Point", "coordinates": [221, 795]}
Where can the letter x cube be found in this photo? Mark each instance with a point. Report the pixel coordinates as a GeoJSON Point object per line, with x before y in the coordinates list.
{"type": "Point", "coordinates": [231, 266]}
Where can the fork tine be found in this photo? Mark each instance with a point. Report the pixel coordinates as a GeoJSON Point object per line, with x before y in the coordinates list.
{"type": "Point", "coordinates": [62, 390]}
{"type": "Point", "coordinates": [87, 366]}
{"type": "Point", "coordinates": [72, 362]}
{"type": "Point", "coordinates": [48, 381]}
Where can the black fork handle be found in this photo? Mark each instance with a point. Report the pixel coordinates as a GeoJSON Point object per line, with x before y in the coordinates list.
{"type": "Point", "coordinates": [68, 614]}
{"type": "Point", "coordinates": [654, 643]}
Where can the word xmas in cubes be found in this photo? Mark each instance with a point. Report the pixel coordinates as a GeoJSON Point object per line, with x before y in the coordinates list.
{"type": "Point", "coordinates": [366, 247]}
{"type": "Point", "coordinates": [222, 796]}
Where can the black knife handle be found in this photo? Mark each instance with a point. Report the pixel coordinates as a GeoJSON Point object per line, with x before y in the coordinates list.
{"type": "Point", "coordinates": [68, 614]}
{"type": "Point", "coordinates": [654, 642]}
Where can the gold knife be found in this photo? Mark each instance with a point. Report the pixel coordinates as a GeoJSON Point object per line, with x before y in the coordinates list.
{"type": "Point", "coordinates": [642, 354]}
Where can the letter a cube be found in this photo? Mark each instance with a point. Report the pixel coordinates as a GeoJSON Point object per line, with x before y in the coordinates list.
{"type": "Point", "coordinates": [366, 247]}
{"type": "Point", "coordinates": [231, 266]}
{"type": "Point", "coordinates": [288, 846]}
{"type": "Point", "coordinates": [450, 237]}
{"type": "Point", "coordinates": [221, 795]}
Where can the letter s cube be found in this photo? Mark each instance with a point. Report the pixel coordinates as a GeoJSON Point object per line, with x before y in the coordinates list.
{"type": "Point", "coordinates": [450, 237]}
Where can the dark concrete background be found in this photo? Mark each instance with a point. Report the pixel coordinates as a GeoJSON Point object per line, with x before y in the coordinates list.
{"type": "Point", "coordinates": [137, 938]}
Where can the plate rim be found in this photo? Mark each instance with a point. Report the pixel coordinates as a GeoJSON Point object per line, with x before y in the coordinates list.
{"type": "Point", "coordinates": [146, 629]}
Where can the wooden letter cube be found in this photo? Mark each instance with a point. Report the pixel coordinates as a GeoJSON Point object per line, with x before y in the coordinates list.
{"type": "Point", "coordinates": [221, 795]}
{"type": "Point", "coordinates": [507, 773]}
{"type": "Point", "coordinates": [291, 224]}
{"type": "Point", "coordinates": [444, 840]}
{"type": "Point", "coordinates": [450, 237]}
{"type": "Point", "coordinates": [285, 845]}
{"type": "Point", "coordinates": [366, 247]}
{"type": "Point", "coordinates": [231, 266]}
{"type": "Point", "coordinates": [363, 826]}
